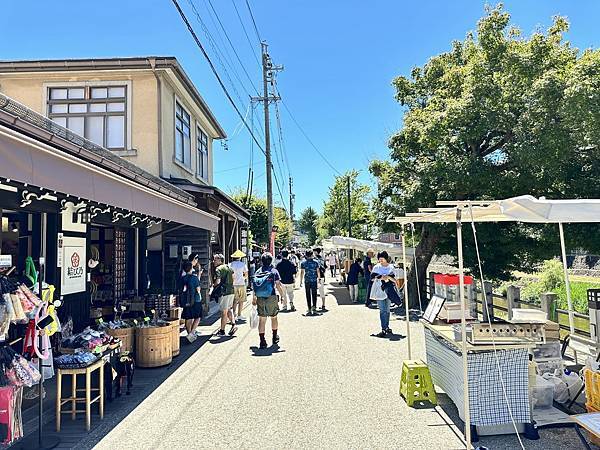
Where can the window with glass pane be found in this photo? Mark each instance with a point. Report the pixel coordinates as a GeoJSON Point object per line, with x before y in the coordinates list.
{"type": "Point", "coordinates": [182, 136]}
{"type": "Point", "coordinates": [202, 154]}
{"type": "Point", "coordinates": [97, 113]}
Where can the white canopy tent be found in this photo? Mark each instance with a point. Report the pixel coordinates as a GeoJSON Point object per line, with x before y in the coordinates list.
{"type": "Point", "coordinates": [526, 209]}
{"type": "Point", "coordinates": [362, 245]}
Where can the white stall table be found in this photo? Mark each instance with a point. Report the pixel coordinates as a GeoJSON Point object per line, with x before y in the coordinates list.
{"type": "Point", "coordinates": [488, 408]}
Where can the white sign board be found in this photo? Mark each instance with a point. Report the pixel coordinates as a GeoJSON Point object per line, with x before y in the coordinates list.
{"type": "Point", "coordinates": [59, 253]}
{"type": "Point", "coordinates": [73, 265]}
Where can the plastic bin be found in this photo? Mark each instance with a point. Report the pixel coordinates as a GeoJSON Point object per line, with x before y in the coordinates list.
{"type": "Point", "coordinates": [548, 351]}
{"type": "Point", "coordinates": [528, 315]}
{"type": "Point", "coordinates": [592, 388]}
{"type": "Point", "coordinates": [542, 393]}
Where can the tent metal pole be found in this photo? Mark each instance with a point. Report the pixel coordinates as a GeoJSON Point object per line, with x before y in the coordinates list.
{"type": "Point", "coordinates": [567, 282]}
{"type": "Point", "coordinates": [463, 323]}
{"type": "Point", "coordinates": [406, 293]}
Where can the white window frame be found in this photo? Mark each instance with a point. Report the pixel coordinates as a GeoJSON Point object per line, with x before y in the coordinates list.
{"type": "Point", "coordinates": [128, 101]}
{"type": "Point", "coordinates": [181, 164]}
{"type": "Point", "coordinates": [199, 175]}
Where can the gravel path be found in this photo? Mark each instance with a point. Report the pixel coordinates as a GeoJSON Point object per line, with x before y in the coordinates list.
{"type": "Point", "coordinates": [329, 385]}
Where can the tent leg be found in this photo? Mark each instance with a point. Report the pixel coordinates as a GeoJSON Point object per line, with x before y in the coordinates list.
{"type": "Point", "coordinates": [406, 294]}
{"type": "Point", "coordinates": [567, 282]}
{"type": "Point", "coordinates": [463, 323]}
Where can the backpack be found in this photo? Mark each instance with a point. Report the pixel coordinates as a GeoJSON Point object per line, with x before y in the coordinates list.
{"type": "Point", "coordinates": [186, 296]}
{"type": "Point", "coordinates": [263, 283]}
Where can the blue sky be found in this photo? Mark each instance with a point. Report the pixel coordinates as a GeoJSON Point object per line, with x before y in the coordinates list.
{"type": "Point", "coordinates": [339, 56]}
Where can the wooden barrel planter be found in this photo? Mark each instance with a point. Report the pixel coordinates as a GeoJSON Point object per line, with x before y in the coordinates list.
{"type": "Point", "coordinates": [154, 346]}
{"type": "Point", "coordinates": [175, 334]}
{"type": "Point", "coordinates": [127, 336]}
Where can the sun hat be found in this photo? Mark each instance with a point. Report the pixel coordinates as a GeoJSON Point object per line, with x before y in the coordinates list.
{"type": "Point", "coordinates": [238, 254]}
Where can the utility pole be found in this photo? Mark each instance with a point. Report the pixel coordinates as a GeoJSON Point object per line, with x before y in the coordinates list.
{"type": "Point", "coordinates": [349, 209]}
{"type": "Point", "coordinates": [292, 198]}
{"type": "Point", "coordinates": [269, 70]}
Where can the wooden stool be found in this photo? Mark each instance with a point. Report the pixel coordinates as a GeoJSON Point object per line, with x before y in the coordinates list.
{"type": "Point", "coordinates": [74, 399]}
{"type": "Point", "coordinates": [416, 384]}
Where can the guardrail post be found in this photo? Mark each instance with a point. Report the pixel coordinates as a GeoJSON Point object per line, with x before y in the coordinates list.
{"type": "Point", "coordinates": [487, 304]}
{"type": "Point", "coordinates": [472, 299]}
{"type": "Point", "coordinates": [548, 300]}
{"type": "Point", "coordinates": [431, 290]}
{"type": "Point", "coordinates": [513, 297]}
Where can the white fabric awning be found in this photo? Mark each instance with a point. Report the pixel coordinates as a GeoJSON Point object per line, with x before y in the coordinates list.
{"type": "Point", "coordinates": [525, 208]}
{"type": "Point", "coordinates": [363, 245]}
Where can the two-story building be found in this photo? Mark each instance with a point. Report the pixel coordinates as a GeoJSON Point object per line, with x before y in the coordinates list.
{"type": "Point", "coordinates": [147, 111]}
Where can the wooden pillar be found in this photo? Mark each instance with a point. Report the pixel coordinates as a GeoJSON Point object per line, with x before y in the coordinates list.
{"type": "Point", "coordinates": [513, 297]}
{"type": "Point", "coordinates": [487, 306]}
{"type": "Point", "coordinates": [548, 300]}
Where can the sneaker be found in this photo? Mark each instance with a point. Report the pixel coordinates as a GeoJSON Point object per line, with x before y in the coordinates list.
{"type": "Point", "coordinates": [292, 308]}
{"type": "Point", "coordinates": [381, 334]}
{"type": "Point", "coordinates": [233, 330]}
{"type": "Point", "coordinates": [314, 310]}
{"type": "Point", "coordinates": [220, 333]}
{"type": "Point", "coordinates": [197, 333]}
{"type": "Point", "coordinates": [284, 309]}
{"type": "Point", "coordinates": [275, 339]}
{"type": "Point", "coordinates": [389, 331]}
{"type": "Point", "coordinates": [263, 345]}
{"type": "Point", "coordinates": [191, 337]}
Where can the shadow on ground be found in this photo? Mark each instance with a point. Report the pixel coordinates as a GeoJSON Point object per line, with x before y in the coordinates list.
{"type": "Point", "coordinates": [73, 433]}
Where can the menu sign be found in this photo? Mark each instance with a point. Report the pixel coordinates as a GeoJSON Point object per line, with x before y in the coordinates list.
{"type": "Point", "coordinates": [73, 267]}
{"type": "Point", "coordinates": [5, 261]}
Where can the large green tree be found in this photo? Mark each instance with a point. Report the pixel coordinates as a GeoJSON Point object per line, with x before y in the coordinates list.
{"type": "Point", "coordinates": [496, 116]}
{"type": "Point", "coordinates": [257, 207]}
{"type": "Point", "coordinates": [307, 223]}
{"type": "Point", "coordinates": [334, 220]}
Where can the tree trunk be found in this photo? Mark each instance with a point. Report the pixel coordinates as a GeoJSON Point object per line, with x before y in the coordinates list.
{"type": "Point", "coordinates": [424, 251]}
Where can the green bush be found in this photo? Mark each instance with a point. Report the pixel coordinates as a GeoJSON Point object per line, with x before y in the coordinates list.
{"type": "Point", "coordinates": [551, 275]}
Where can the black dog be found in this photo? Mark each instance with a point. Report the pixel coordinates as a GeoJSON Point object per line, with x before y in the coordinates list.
{"type": "Point", "coordinates": [123, 365]}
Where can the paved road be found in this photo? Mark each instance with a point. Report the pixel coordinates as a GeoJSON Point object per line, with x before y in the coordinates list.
{"type": "Point", "coordinates": [329, 385]}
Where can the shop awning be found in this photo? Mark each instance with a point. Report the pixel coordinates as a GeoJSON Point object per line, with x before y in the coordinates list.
{"type": "Point", "coordinates": [363, 245]}
{"type": "Point", "coordinates": [31, 161]}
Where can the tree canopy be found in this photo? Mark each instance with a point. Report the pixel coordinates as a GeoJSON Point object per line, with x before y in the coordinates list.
{"type": "Point", "coordinates": [307, 223]}
{"type": "Point", "coordinates": [334, 220]}
{"type": "Point", "coordinates": [257, 207]}
{"type": "Point", "coordinates": [497, 115]}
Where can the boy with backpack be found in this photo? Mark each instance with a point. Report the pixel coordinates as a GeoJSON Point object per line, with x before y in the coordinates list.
{"type": "Point", "coordinates": [266, 283]}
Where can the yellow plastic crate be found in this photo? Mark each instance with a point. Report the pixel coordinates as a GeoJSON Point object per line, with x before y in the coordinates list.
{"type": "Point", "coordinates": [592, 389]}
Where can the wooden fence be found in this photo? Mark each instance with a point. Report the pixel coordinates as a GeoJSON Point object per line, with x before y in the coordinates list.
{"type": "Point", "coordinates": [501, 306]}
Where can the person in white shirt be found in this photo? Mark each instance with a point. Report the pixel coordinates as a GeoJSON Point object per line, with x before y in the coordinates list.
{"type": "Point", "coordinates": [332, 260]}
{"type": "Point", "coordinates": [240, 281]}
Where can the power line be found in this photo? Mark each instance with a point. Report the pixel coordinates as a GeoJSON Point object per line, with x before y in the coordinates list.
{"type": "Point", "coordinates": [309, 140]}
{"type": "Point", "coordinates": [253, 21]}
{"type": "Point", "coordinates": [233, 47]}
{"type": "Point", "coordinates": [246, 33]}
{"type": "Point", "coordinates": [212, 67]}
{"type": "Point", "coordinates": [218, 54]}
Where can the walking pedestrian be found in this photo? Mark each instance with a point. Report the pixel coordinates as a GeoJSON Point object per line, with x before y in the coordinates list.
{"type": "Point", "coordinates": [309, 272]}
{"type": "Point", "coordinates": [224, 282]}
{"type": "Point", "coordinates": [333, 261]}
{"type": "Point", "coordinates": [266, 283]}
{"type": "Point", "coordinates": [287, 271]}
{"type": "Point", "coordinates": [190, 299]}
{"type": "Point", "coordinates": [352, 279]}
{"type": "Point", "coordinates": [240, 280]}
{"type": "Point", "coordinates": [367, 268]}
{"type": "Point", "coordinates": [321, 282]}
{"type": "Point", "coordinates": [383, 272]}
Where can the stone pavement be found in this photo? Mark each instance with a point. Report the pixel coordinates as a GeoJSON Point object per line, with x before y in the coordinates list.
{"type": "Point", "coordinates": [329, 385]}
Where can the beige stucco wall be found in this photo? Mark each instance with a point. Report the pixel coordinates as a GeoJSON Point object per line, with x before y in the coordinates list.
{"type": "Point", "coordinates": [31, 88]}
{"type": "Point", "coordinates": [172, 91]}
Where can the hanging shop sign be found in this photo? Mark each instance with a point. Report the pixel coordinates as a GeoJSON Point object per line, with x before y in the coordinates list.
{"type": "Point", "coordinates": [73, 265]}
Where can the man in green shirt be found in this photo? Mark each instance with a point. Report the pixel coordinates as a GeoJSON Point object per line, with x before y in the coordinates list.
{"type": "Point", "coordinates": [224, 282]}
